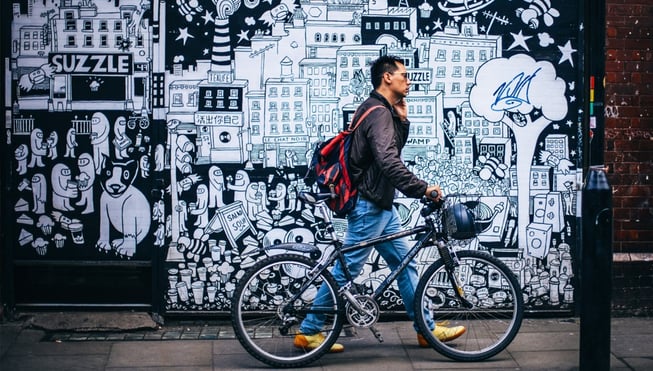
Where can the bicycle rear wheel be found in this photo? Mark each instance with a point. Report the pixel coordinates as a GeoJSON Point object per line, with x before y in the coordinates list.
{"type": "Point", "coordinates": [493, 317]}
{"type": "Point", "coordinates": [265, 320]}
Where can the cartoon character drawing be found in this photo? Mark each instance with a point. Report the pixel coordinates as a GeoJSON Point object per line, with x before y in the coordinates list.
{"type": "Point", "coordinates": [123, 207]}
{"type": "Point", "coordinates": [85, 181]}
{"type": "Point", "coordinates": [159, 157]}
{"type": "Point", "coordinates": [239, 186]}
{"type": "Point", "coordinates": [291, 159]}
{"type": "Point", "coordinates": [263, 188]}
{"type": "Point", "coordinates": [536, 9]}
{"type": "Point", "coordinates": [216, 187]}
{"type": "Point", "coordinates": [194, 247]}
{"type": "Point", "coordinates": [159, 235]}
{"type": "Point", "coordinates": [27, 81]}
{"type": "Point", "coordinates": [121, 141]}
{"type": "Point", "coordinates": [39, 193]}
{"type": "Point", "coordinates": [292, 197]}
{"type": "Point", "coordinates": [38, 147]}
{"type": "Point", "coordinates": [183, 154]}
{"type": "Point", "coordinates": [489, 166]}
{"type": "Point", "coordinates": [561, 164]}
{"type": "Point", "coordinates": [188, 8]}
{"type": "Point", "coordinates": [144, 166]}
{"type": "Point", "coordinates": [63, 187]}
{"type": "Point", "coordinates": [252, 200]}
{"type": "Point", "coordinates": [71, 143]}
{"type": "Point", "coordinates": [186, 183]}
{"type": "Point", "coordinates": [52, 141]}
{"type": "Point", "coordinates": [278, 194]}
{"type": "Point", "coordinates": [200, 207]}
{"type": "Point", "coordinates": [182, 210]}
{"type": "Point", "coordinates": [100, 140]}
{"type": "Point", "coordinates": [158, 211]}
{"type": "Point", "coordinates": [20, 154]}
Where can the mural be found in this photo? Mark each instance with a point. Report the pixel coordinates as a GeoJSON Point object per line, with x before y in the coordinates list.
{"type": "Point", "coordinates": [186, 126]}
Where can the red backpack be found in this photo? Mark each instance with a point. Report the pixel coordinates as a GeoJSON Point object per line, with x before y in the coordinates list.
{"type": "Point", "coordinates": [330, 168]}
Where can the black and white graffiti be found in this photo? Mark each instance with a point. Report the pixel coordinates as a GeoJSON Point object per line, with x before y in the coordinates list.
{"type": "Point", "coordinates": [187, 125]}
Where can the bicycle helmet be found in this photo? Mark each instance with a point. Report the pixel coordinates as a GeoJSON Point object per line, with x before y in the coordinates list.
{"type": "Point", "coordinates": [459, 222]}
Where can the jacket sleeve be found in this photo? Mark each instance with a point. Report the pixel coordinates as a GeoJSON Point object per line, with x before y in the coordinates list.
{"type": "Point", "coordinates": [386, 152]}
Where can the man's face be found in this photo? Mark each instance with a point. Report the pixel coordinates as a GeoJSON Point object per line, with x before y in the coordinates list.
{"type": "Point", "coordinates": [399, 82]}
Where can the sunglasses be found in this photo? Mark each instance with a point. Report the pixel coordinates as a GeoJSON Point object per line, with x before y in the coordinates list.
{"type": "Point", "coordinates": [404, 74]}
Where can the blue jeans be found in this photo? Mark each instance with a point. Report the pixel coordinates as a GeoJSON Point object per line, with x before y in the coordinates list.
{"type": "Point", "coordinates": [368, 221]}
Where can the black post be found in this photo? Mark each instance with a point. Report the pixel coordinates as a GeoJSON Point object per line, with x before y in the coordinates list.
{"type": "Point", "coordinates": [596, 272]}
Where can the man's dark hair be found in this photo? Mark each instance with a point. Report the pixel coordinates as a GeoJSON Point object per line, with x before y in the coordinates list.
{"type": "Point", "coordinates": [386, 63]}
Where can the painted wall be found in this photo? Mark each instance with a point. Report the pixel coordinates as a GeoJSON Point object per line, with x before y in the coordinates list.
{"type": "Point", "coordinates": [185, 126]}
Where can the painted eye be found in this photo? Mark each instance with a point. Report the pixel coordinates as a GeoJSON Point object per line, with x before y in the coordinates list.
{"type": "Point", "coordinates": [125, 174]}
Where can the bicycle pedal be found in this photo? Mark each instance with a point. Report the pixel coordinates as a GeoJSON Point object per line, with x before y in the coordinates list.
{"type": "Point", "coordinates": [377, 334]}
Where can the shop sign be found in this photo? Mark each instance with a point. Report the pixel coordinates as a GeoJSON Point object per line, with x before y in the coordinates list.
{"type": "Point", "coordinates": [95, 63]}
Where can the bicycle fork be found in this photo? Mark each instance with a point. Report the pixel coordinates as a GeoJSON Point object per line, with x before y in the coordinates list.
{"type": "Point", "coordinates": [451, 261]}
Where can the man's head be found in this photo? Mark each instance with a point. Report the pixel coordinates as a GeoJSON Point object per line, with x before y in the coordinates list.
{"type": "Point", "coordinates": [389, 77]}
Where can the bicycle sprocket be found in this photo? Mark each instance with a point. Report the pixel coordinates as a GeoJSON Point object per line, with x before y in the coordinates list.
{"type": "Point", "coordinates": [366, 317]}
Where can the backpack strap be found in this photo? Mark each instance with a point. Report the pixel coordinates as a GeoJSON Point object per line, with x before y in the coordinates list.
{"type": "Point", "coordinates": [353, 125]}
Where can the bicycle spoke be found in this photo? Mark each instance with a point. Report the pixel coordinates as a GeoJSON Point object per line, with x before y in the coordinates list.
{"type": "Point", "coordinates": [493, 320]}
{"type": "Point", "coordinates": [270, 303]}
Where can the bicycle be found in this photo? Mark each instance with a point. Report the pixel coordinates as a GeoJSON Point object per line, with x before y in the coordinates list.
{"type": "Point", "coordinates": [469, 288]}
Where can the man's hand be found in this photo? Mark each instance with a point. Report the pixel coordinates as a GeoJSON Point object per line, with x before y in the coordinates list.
{"type": "Point", "coordinates": [432, 191]}
{"type": "Point", "coordinates": [401, 109]}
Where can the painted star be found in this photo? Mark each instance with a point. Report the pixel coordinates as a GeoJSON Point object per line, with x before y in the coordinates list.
{"type": "Point", "coordinates": [207, 17]}
{"type": "Point", "coordinates": [572, 98]}
{"type": "Point", "coordinates": [437, 24]}
{"type": "Point", "coordinates": [520, 40]}
{"type": "Point", "coordinates": [184, 35]}
{"type": "Point", "coordinates": [205, 51]}
{"type": "Point", "coordinates": [566, 50]}
{"type": "Point", "coordinates": [556, 127]}
{"type": "Point", "coordinates": [243, 35]}
{"type": "Point", "coordinates": [569, 123]}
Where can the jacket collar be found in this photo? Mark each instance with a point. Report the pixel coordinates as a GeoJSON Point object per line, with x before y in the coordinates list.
{"type": "Point", "coordinates": [374, 94]}
{"type": "Point", "coordinates": [380, 97]}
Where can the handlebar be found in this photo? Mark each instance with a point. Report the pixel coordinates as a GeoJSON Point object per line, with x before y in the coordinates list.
{"type": "Point", "coordinates": [430, 205]}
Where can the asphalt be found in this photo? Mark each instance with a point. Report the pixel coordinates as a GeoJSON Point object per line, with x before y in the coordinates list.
{"type": "Point", "coordinates": [132, 341]}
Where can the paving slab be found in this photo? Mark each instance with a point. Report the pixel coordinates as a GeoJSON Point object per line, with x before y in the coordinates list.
{"type": "Point", "coordinates": [195, 353]}
{"type": "Point", "coordinates": [542, 343]}
{"type": "Point", "coordinates": [53, 363]}
{"type": "Point", "coordinates": [38, 349]}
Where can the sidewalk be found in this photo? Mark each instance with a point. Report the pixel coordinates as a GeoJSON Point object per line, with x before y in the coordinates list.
{"type": "Point", "coordinates": [542, 344]}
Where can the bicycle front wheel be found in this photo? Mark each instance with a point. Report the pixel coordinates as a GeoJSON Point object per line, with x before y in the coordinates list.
{"type": "Point", "coordinates": [491, 312]}
{"type": "Point", "coordinates": [271, 301]}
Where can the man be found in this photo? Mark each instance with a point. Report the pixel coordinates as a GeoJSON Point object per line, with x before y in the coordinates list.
{"type": "Point", "coordinates": [378, 170]}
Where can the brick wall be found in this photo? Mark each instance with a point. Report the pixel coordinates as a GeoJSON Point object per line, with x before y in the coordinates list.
{"type": "Point", "coordinates": [629, 149]}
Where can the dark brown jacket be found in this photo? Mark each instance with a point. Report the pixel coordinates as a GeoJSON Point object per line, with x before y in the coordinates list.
{"type": "Point", "coordinates": [375, 156]}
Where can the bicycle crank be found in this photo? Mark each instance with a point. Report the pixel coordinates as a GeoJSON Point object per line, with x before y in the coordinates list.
{"type": "Point", "coordinates": [363, 311]}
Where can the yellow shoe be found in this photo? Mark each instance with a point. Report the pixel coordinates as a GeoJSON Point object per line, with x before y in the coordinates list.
{"type": "Point", "coordinates": [310, 342]}
{"type": "Point", "coordinates": [443, 334]}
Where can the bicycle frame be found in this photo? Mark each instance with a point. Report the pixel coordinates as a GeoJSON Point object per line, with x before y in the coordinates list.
{"type": "Point", "coordinates": [421, 243]}
{"type": "Point", "coordinates": [488, 307]}
{"type": "Point", "coordinates": [428, 231]}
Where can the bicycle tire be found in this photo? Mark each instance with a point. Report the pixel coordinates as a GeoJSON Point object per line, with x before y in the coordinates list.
{"type": "Point", "coordinates": [257, 310]}
{"type": "Point", "coordinates": [491, 323]}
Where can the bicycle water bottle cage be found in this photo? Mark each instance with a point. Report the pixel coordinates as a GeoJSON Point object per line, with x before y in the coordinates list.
{"type": "Point", "coordinates": [458, 222]}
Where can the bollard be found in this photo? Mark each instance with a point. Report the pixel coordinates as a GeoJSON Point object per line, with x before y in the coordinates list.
{"type": "Point", "coordinates": [596, 272]}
